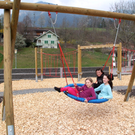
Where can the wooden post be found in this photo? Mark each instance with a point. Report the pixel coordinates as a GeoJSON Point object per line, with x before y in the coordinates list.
{"type": "Point", "coordinates": [14, 22]}
{"type": "Point", "coordinates": [36, 68]}
{"type": "Point", "coordinates": [79, 63]}
{"type": "Point", "coordinates": [41, 55]}
{"type": "Point", "coordinates": [130, 85]}
{"type": "Point", "coordinates": [120, 59]}
{"type": "Point", "coordinates": [8, 74]}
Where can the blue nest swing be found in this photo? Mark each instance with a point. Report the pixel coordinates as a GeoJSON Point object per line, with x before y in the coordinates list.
{"type": "Point", "coordinates": [97, 101]}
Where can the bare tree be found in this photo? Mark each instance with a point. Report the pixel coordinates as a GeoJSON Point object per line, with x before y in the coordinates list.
{"type": "Point", "coordinates": [26, 30]}
{"type": "Point", "coordinates": [127, 29]}
{"type": "Point", "coordinates": [41, 20]}
{"type": "Point", "coordinates": [64, 31]}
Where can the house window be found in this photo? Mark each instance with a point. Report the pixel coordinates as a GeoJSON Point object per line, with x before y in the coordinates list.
{"type": "Point", "coordinates": [49, 36]}
{"type": "Point", "coordinates": [39, 41]}
{"type": "Point", "coordinates": [52, 42]}
{"type": "Point", "coordinates": [46, 42]}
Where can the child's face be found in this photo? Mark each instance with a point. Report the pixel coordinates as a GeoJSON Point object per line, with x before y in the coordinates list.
{"type": "Point", "coordinates": [105, 79]}
{"type": "Point", "coordinates": [99, 73]}
{"type": "Point", "coordinates": [88, 83]}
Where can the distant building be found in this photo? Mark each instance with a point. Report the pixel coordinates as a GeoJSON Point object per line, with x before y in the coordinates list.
{"type": "Point", "coordinates": [47, 40]}
{"type": "Point", "coordinates": [38, 32]}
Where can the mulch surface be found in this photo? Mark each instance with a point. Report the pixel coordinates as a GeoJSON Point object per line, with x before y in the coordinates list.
{"type": "Point", "coordinates": [123, 92]}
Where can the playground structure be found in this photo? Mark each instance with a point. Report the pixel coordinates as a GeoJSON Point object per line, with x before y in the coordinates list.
{"type": "Point", "coordinates": [10, 29]}
{"type": "Point", "coordinates": [51, 64]}
{"type": "Point", "coordinates": [119, 46]}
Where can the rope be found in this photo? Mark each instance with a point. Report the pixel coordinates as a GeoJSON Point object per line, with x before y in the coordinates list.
{"type": "Point", "coordinates": [107, 59]}
{"type": "Point", "coordinates": [115, 44]}
{"type": "Point", "coordinates": [62, 56]}
{"type": "Point", "coordinates": [113, 47]}
{"type": "Point", "coordinates": [49, 14]}
{"type": "Point", "coordinates": [68, 68]}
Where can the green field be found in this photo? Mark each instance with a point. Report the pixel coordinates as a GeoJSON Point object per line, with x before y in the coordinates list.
{"type": "Point", "coordinates": [25, 58]}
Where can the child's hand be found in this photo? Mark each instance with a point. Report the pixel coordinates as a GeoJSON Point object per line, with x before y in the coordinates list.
{"type": "Point", "coordinates": [101, 98]}
{"type": "Point", "coordinates": [86, 100]}
{"type": "Point", "coordinates": [75, 84]}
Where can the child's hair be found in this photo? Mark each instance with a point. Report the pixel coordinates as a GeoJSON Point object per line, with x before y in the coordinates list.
{"type": "Point", "coordinates": [90, 79]}
{"type": "Point", "coordinates": [99, 69]}
{"type": "Point", "coordinates": [109, 76]}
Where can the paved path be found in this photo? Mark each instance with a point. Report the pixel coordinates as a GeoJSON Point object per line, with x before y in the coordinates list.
{"type": "Point", "coordinates": [27, 91]}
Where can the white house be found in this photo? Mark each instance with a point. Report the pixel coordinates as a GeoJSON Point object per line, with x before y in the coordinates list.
{"type": "Point", "coordinates": [47, 40]}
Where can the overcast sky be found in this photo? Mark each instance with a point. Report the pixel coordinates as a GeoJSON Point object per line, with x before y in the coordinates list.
{"type": "Point", "coordinates": [91, 4]}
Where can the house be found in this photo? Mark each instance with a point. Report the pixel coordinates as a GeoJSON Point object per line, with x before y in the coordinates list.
{"type": "Point", "coordinates": [38, 32]}
{"type": "Point", "coordinates": [47, 40]}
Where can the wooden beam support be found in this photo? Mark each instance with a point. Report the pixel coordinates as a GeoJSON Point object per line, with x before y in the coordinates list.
{"type": "Point", "coordinates": [36, 66]}
{"type": "Point", "coordinates": [98, 46]}
{"type": "Point", "coordinates": [66, 9]}
{"type": "Point", "coordinates": [41, 58]}
{"type": "Point", "coordinates": [14, 22]}
{"type": "Point", "coordinates": [79, 63]}
{"type": "Point", "coordinates": [130, 85]}
{"type": "Point", "coordinates": [8, 74]}
{"type": "Point", "coordinates": [118, 61]}
{"type": "Point", "coordinates": [120, 45]}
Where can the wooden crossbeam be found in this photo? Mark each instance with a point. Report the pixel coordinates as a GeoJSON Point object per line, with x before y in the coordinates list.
{"type": "Point", "coordinates": [66, 9]}
{"type": "Point", "coordinates": [98, 46]}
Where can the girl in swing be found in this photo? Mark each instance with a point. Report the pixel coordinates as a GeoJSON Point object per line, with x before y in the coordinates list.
{"type": "Point", "coordinates": [86, 91]}
{"type": "Point", "coordinates": [105, 87]}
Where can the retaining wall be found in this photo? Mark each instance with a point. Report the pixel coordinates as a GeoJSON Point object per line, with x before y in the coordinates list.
{"type": "Point", "coordinates": [18, 74]}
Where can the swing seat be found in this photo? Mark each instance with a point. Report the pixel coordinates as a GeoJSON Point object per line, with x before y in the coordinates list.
{"type": "Point", "coordinates": [96, 101]}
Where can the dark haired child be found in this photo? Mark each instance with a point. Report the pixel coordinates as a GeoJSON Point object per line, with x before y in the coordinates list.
{"type": "Point", "coordinates": [99, 74]}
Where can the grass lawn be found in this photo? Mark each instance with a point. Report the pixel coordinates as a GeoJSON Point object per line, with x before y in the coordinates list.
{"type": "Point", "coordinates": [26, 58]}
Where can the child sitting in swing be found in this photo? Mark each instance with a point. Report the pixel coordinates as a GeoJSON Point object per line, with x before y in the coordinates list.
{"type": "Point", "coordinates": [86, 91]}
{"type": "Point", "coordinates": [105, 88]}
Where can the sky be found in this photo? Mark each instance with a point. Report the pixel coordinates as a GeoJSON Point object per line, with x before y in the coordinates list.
{"type": "Point", "coordinates": [91, 4]}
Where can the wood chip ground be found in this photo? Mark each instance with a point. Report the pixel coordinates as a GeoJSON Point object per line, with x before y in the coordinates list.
{"type": "Point", "coordinates": [53, 113]}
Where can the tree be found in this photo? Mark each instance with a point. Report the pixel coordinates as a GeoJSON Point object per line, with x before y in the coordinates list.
{"type": "Point", "coordinates": [41, 20]}
{"type": "Point", "coordinates": [127, 29]}
{"type": "Point", "coordinates": [64, 31]}
{"type": "Point", "coordinates": [20, 41]}
{"type": "Point", "coordinates": [26, 30]}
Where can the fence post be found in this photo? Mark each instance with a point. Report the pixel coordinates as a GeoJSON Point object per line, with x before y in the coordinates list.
{"type": "Point", "coordinates": [61, 72]}
{"type": "Point", "coordinates": [41, 55]}
{"type": "Point", "coordinates": [36, 70]}
{"type": "Point", "coordinates": [120, 60]}
{"type": "Point", "coordinates": [79, 63]}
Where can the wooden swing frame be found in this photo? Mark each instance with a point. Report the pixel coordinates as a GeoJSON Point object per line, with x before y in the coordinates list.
{"type": "Point", "coordinates": [10, 29]}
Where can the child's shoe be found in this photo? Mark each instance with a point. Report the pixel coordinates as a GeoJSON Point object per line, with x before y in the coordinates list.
{"type": "Point", "coordinates": [57, 89]}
